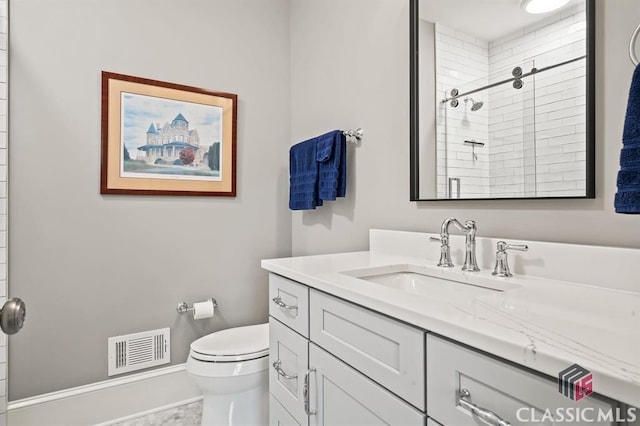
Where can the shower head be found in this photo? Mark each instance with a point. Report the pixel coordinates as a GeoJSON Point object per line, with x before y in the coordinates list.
{"type": "Point", "coordinates": [474, 105]}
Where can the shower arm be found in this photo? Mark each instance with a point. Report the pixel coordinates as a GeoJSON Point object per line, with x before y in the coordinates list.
{"type": "Point", "coordinates": [508, 80]}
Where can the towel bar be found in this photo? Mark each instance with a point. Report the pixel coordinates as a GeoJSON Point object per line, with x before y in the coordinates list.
{"type": "Point", "coordinates": [358, 134]}
{"type": "Point", "coordinates": [632, 46]}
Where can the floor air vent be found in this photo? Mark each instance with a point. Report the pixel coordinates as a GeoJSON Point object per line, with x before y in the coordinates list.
{"type": "Point", "coordinates": [139, 350]}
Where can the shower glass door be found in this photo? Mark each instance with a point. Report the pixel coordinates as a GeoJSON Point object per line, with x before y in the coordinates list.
{"type": "Point", "coordinates": [512, 127]}
{"type": "Point", "coordinates": [486, 136]}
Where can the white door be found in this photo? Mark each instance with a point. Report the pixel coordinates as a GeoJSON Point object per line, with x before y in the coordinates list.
{"type": "Point", "coordinates": [4, 60]}
{"type": "Point", "coordinates": [12, 313]}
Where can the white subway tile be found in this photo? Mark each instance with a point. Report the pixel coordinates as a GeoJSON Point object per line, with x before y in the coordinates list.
{"type": "Point", "coordinates": [550, 177]}
{"type": "Point", "coordinates": [566, 166]}
{"type": "Point", "coordinates": [577, 175]}
{"type": "Point", "coordinates": [574, 147]}
{"type": "Point", "coordinates": [556, 186]}
{"type": "Point", "coordinates": [557, 158]}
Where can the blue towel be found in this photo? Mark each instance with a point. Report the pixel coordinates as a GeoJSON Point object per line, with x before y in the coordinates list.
{"type": "Point", "coordinates": [317, 171]}
{"type": "Point", "coordinates": [628, 196]}
{"type": "Point", "coordinates": [303, 176]}
{"type": "Point", "coordinates": [332, 155]}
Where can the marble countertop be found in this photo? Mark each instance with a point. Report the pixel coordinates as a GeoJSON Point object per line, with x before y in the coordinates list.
{"type": "Point", "coordinates": [541, 323]}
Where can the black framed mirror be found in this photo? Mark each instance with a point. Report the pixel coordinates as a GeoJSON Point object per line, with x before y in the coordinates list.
{"type": "Point", "coordinates": [502, 99]}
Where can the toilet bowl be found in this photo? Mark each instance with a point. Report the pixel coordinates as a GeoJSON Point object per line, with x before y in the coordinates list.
{"type": "Point", "coordinates": [231, 369]}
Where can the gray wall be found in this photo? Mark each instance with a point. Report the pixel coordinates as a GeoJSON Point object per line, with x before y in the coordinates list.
{"type": "Point", "coordinates": [92, 266]}
{"type": "Point", "coordinates": [370, 90]}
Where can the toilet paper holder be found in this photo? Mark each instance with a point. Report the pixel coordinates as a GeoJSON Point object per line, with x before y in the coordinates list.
{"type": "Point", "coordinates": [183, 307]}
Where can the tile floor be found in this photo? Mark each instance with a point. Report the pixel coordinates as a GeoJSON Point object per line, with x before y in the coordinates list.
{"type": "Point", "coordinates": [184, 415]}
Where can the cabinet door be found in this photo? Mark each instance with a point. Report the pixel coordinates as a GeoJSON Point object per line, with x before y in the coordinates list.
{"type": "Point", "coordinates": [278, 416]}
{"type": "Point", "coordinates": [494, 386]}
{"type": "Point", "coordinates": [341, 396]}
{"type": "Point", "coordinates": [288, 356]}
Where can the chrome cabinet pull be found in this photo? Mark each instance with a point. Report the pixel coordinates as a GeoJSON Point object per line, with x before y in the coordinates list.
{"type": "Point", "coordinates": [305, 393]}
{"type": "Point", "coordinates": [483, 414]}
{"type": "Point", "coordinates": [281, 372]}
{"type": "Point", "coordinates": [278, 301]}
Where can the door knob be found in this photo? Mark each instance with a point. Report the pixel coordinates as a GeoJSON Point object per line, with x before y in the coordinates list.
{"type": "Point", "coordinates": [12, 315]}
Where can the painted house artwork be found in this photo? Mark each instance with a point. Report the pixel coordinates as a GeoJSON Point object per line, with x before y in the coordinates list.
{"type": "Point", "coordinates": [173, 149]}
{"type": "Point", "coordinates": [166, 143]}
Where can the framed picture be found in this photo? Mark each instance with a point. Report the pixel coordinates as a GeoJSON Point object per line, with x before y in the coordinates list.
{"type": "Point", "coordinates": [161, 138]}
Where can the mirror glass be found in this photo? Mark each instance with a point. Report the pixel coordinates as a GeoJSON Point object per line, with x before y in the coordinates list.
{"type": "Point", "coordinates": [502, 100]}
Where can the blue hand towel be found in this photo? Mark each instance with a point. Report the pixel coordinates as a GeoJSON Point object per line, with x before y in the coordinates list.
{"type": "Point", "coordinates": [332, 155]}
{"type": "Point", "coordinates": [303, 176]}
{"type": "Point", "coordinates": [627, 198]}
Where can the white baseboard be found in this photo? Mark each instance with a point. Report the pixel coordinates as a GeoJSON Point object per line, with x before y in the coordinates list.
{"type": "Point", "coordinates": [107, 402]}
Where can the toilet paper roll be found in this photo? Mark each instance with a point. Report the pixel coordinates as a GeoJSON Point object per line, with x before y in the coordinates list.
{"type": "Point", "coordinates": [203, 310]}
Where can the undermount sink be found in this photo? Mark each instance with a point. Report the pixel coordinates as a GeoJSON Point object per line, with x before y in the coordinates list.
{"type": "Point", "coordinates": [440, 284]}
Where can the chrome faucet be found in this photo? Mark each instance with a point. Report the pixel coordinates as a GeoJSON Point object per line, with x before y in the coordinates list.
{"type": "Point", "coordinates": [469, 229]}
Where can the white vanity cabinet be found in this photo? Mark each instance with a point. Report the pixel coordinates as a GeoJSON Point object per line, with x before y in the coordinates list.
{"type": "Point", "coordinates": [460, 380]}
{"type": "Point", "coordinates": [334, 363]}
{"type": "Point", "coordinates": [349, 371]}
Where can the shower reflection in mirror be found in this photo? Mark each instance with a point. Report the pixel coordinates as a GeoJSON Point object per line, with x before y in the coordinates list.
{"type": "Point", "coordinates": [510, 106]}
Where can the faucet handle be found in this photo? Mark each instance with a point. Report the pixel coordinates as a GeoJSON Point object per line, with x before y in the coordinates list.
{"type": "Point", "coordinates": [502, 246]}
{"type": "Point", "coordinates": [445, 255]}
{"type": "Point", "coordinates": [502, 265]}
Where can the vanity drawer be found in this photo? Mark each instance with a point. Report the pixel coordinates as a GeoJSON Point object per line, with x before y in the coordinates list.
{"type": "Point", "coordinates": [289, 303]}
{"type": "Point", "coordinates": [278, 416]}
{"type": "Point", "coordinates": [387, 351]}
{"type": "Point", "coordinates": [510, 392]}
{"type": "Point", "coordinates": [288, 360]}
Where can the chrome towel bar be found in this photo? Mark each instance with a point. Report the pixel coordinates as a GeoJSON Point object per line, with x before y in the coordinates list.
{"type": "Point", "coordinates": [358, 134]}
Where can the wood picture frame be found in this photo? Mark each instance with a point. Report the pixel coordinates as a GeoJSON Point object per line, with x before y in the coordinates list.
{"type": "Point", "coordinates": [149, 146]}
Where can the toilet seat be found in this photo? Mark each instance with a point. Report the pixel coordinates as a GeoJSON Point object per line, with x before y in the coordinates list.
{"type": "Point", "coordinates": [233, 344]}
{"type": "Point", "coordinates": [228, 358]}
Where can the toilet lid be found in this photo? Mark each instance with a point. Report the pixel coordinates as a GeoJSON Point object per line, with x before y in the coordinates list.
{"type": "Point", "coordinates": [233, 344]}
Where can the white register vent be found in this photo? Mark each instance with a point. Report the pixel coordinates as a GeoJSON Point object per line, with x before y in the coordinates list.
{"type": "Point", "coordinates": [139, 350]}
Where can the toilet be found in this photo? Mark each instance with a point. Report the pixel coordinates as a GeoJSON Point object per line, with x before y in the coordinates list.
{"type": "Point", "coordinates": [231, 369]}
